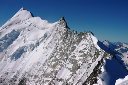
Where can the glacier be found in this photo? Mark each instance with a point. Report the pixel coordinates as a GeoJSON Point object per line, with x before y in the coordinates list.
{"type": "Point", "coordinates": [36, 52]}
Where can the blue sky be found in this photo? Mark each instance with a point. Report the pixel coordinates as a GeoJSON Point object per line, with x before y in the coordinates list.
{"type": "Point", "coordinates": [107, 19]}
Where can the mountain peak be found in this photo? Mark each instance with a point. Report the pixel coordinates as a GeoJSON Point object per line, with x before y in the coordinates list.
{"type": "Point", "coordinates": [21, 9]}
{"type": "Point", "coordinates": [32, 48]}
{"type": "Point", "coordinates": [23, 13]}
{"type": "Point", "coordinates": [62, 21]}
{"type": "Point", "coordinates": [62, 18]}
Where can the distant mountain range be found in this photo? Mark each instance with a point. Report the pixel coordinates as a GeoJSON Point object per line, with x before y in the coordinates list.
{"type": "Point", "coordinates": [36, 52]}
{"type": "Point", "coordinates": [118, 43]}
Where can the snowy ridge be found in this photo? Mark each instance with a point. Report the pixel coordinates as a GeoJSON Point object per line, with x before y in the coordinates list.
{"type": "Point", "coordinates": [115, 69]}
{"type": "Point", "coordinates": [119, 51]}
{"type": "Point", "coordinates": [34, 51]}
{"type": "Point", "coordinates": [122, 55]}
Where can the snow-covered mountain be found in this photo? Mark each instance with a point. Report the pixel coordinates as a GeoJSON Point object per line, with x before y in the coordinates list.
{"type": "Point", "coordinates": [116, 68]}
{"type": "Point", "coordinates": [34, 51]}
{"type": "Point", "coordinates": [118, 43]}
{"type": "Point", "coordinates": [111, 46]}
{"type": "Point", "coordinates": [120, 52]}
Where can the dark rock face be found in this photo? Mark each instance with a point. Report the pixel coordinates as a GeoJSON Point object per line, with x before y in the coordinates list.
{"type": "Point", "coordinates": [63, 22]}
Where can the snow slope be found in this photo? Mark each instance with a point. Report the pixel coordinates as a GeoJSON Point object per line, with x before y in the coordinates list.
{"type": "Point", "coordinates": [115, 69]}
{"type": "Point", "coordinates": [122, 81]}
{"type": "Point", "coordinates": [34, 51]}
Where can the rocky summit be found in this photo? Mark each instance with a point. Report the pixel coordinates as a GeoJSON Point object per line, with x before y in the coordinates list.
{"type": "Point", "coordinates": [36, 52]}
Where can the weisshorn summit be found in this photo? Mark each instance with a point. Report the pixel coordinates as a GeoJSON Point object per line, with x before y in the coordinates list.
{"type": "Point", "coordinates": [36, 52]}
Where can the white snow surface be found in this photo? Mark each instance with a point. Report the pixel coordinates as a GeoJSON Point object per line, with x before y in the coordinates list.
{"type": "Point", "coordinates": [114, 72]}
{"type": "Point", "coordinates": [122, 81]}
{"type": "Point", "coordinates": [40, 52]}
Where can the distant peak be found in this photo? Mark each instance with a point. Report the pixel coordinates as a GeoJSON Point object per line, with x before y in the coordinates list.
{"type": "Point", "coordinates": [106, 41]}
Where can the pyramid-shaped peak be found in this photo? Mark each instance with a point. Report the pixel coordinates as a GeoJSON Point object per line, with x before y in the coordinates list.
{"type": "Point", "coordinates": [62, 21]}
{"type": "Point", "coordinates": [22, 14]}
{"type": "Point", "coordinates": [62, 18]}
